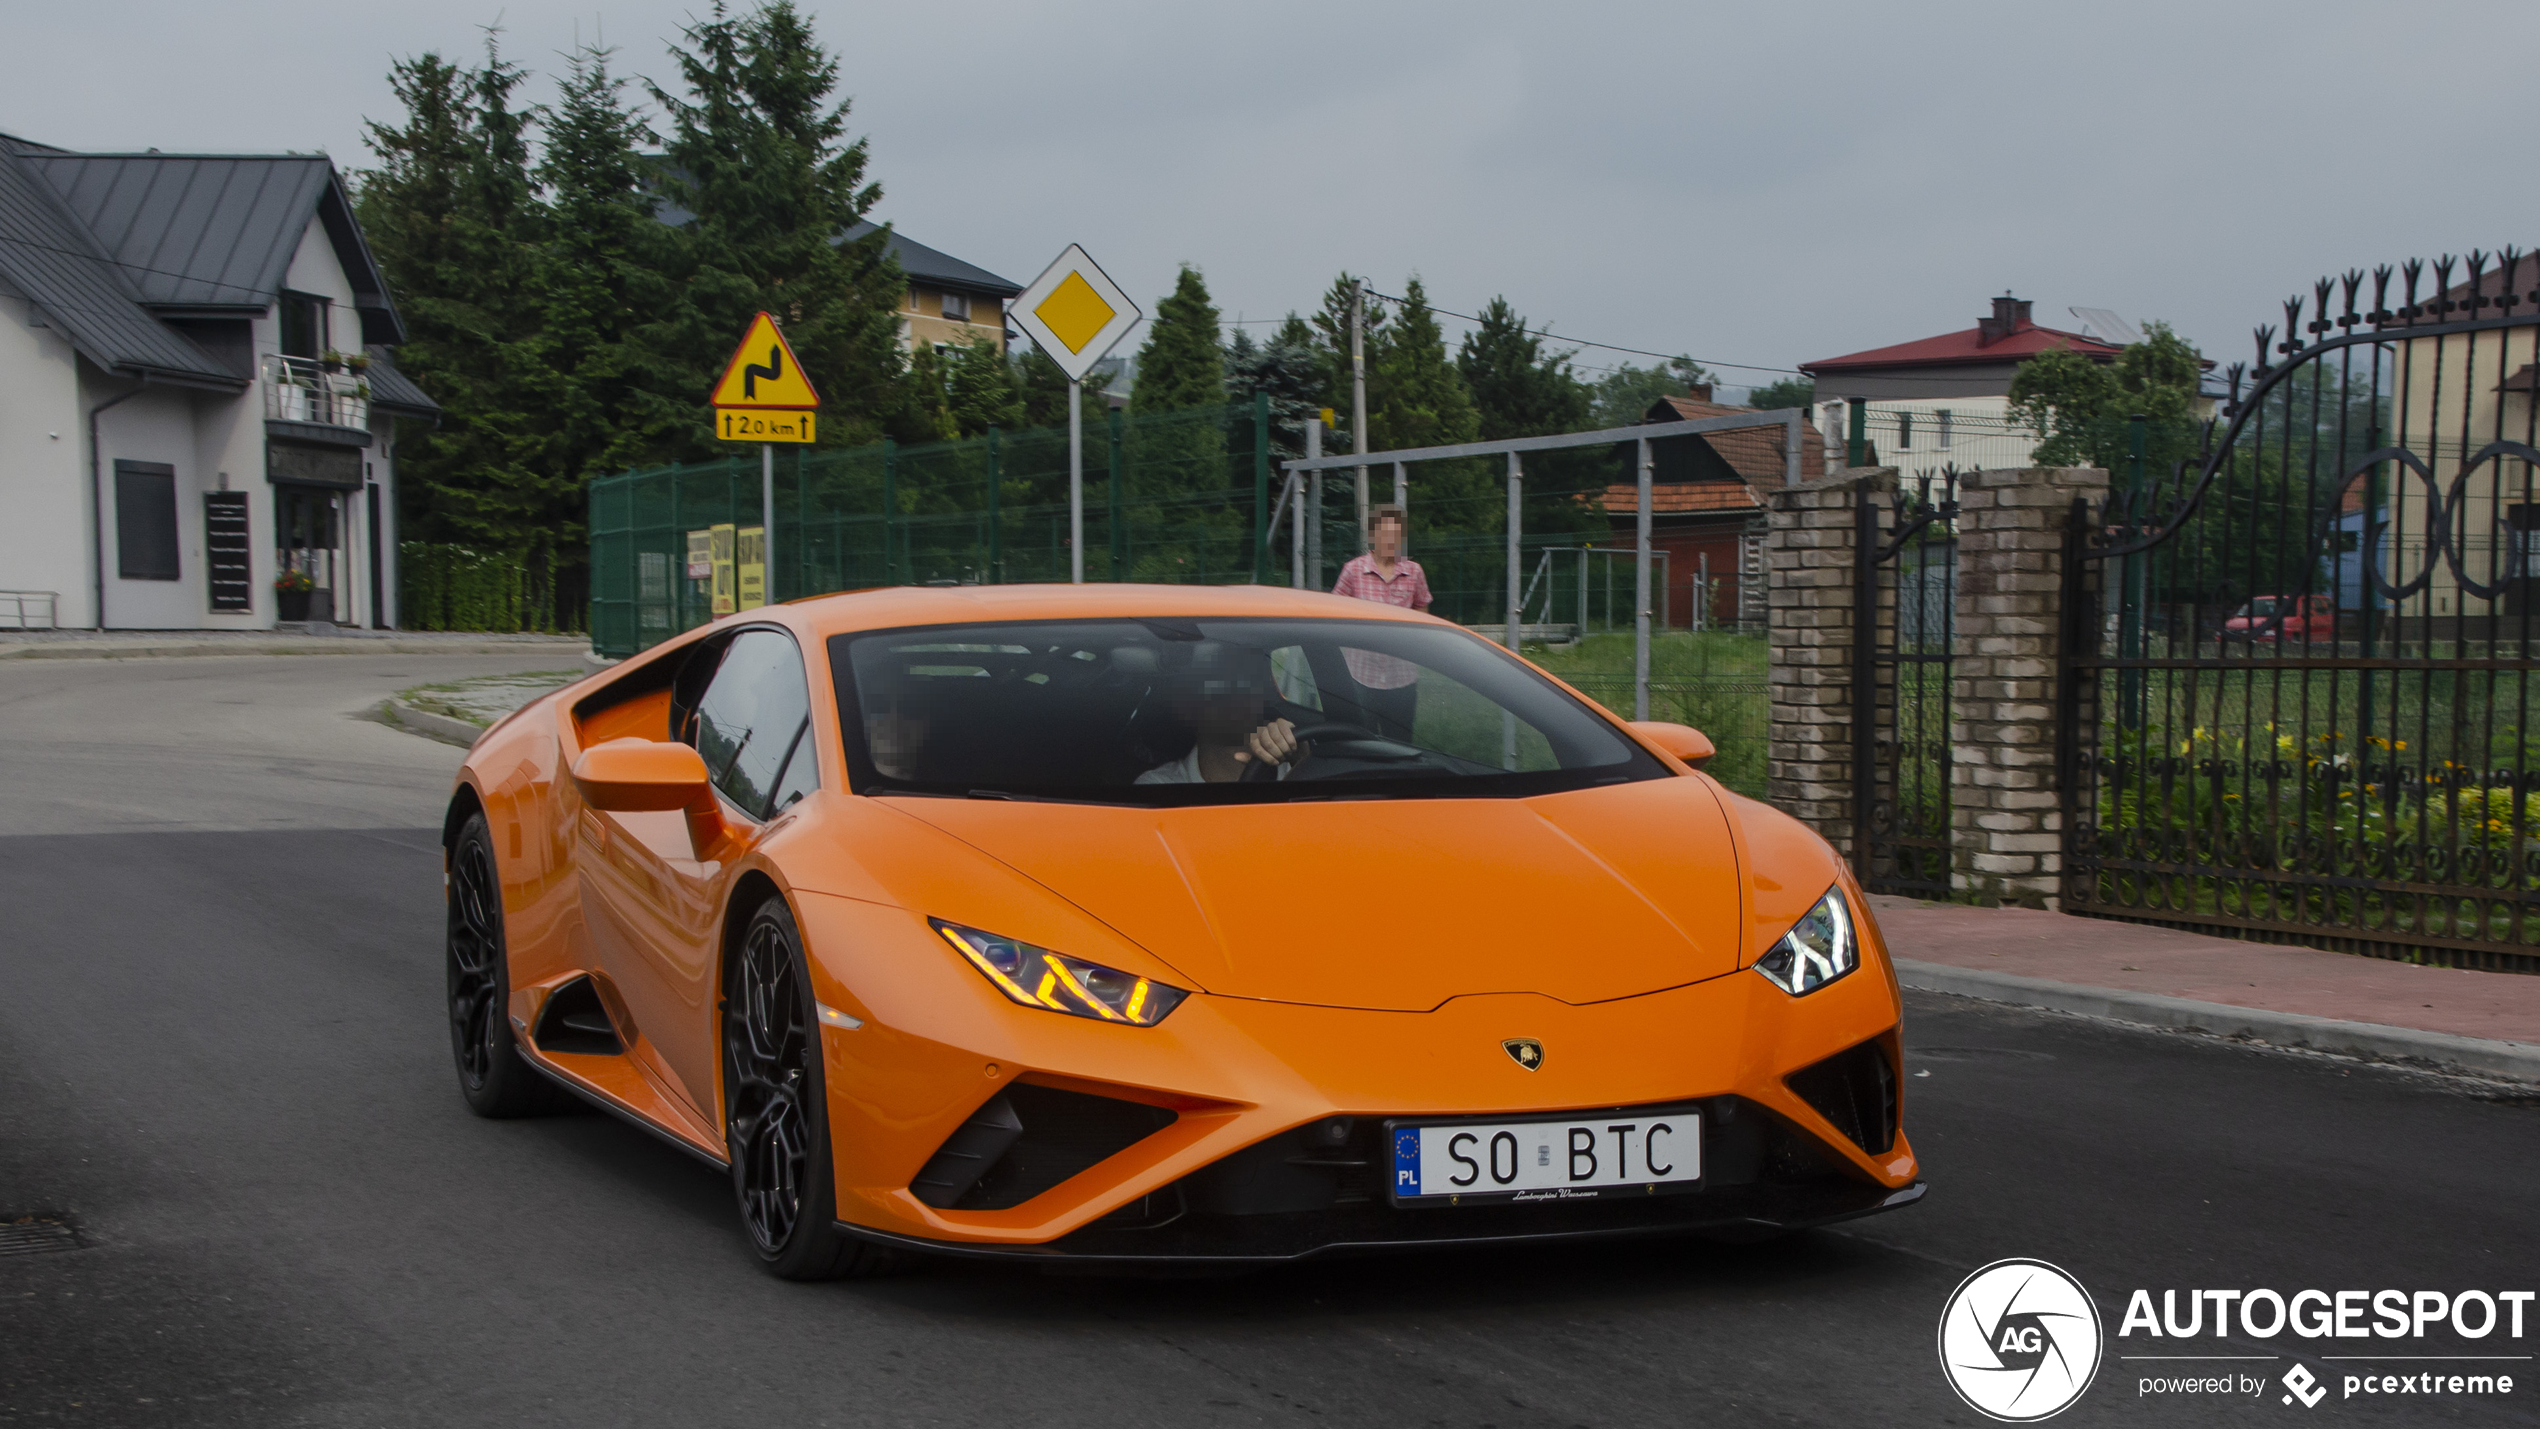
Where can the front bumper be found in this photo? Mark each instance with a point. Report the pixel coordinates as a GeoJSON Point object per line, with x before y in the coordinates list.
{"type": "Point", "coordinates": [937, 1050]}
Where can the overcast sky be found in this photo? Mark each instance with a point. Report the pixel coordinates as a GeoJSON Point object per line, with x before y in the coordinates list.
{"type": "Point", "coordinates": [1756, 183]}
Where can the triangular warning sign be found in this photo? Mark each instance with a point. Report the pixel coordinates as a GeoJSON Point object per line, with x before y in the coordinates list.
{"type": "Point", "coordinates": [763, 372]}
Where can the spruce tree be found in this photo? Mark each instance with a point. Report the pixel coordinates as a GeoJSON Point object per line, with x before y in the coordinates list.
{"type": "Point", "coordinates": [1182, 364]}
{"type": "Point", "coordinates": [1519, 389]}
{"type": "Point", "coordinates": [757, 152]}
{"type": "Point", "coordinates": [1290, 367]}
{"type": "Point", "coordinates": [979, 388]}
{"type": "Point", "coordinates": [455, 221]}
{"type": "Point", "coordinates": [1331, 325]}
{"type": "Point", "coordinates": [1416, 398]}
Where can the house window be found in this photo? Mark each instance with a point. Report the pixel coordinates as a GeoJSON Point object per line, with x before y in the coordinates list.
{"type": "Point", "coordinates": [1904, 431]}
{"type": "Point", "coordinates": [145, 520]}
{"type": "Point", "coordinates": [1944, 429]}
{"type": "Point", "coordinates": [956, 307]}
{"type": "Point", "coordinates": [303, 325]}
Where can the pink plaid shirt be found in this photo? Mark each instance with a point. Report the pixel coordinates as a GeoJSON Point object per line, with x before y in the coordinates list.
{"type": "Point", "coordinates": [1409, 588]}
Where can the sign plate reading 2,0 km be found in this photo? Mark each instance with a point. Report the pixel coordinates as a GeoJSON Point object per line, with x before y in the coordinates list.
{"type": "Point", "coordinates": [764, 395]}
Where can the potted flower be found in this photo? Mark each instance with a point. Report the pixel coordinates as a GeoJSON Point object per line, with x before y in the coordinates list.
{"type": "Point", "coordinates": [291, 592]}
{"type": "Point", "coordinates": [358, 361]}
{"type": "Point", "coordinates": [331, 360]}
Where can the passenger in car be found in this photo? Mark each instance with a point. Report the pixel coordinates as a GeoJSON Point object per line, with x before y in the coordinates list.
{"type": "Point", "coordinates": [1221, 694]}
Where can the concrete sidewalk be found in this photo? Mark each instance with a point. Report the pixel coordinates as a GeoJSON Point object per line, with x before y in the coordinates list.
{"type": "Point", "coordinates": [345, 640]}
{"type": "Point", "coordinates": [2480, 1022]}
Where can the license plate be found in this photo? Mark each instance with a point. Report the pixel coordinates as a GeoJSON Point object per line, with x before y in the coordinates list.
{"type": "Point", "coordinates": [1604, 1157]}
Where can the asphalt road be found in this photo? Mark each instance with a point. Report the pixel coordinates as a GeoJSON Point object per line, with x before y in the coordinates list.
{"type": "Point", "coordinates": [222, 1054]}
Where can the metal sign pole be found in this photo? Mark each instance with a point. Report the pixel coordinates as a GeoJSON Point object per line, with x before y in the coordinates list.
{"type": "Point", "coordinates": [767, 520]}
{"type": "Point", "coordinates": [1358, 386]}
{"type": "Point", "coordinates": [1640, 603]}
{"type": "Point", "coordinates": [1075, 482]}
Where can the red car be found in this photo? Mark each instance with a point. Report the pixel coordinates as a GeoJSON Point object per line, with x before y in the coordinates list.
{"type": "Point", "coordinates": [2284, 619]}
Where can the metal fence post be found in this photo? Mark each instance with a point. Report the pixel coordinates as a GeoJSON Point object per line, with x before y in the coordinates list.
{"type": "Point", "coordinates": [1311, 495]}
{"type": "Point", "coordinates": [1857, 446]}
{"type": "Point", "coordinates": [1640, 596]}
{"type": "Point", "coordinates": [1119, 522]}
{"type": "Point", "coordinates": [1516, 535]}
{"type": "Point", "coordinates": [890, 503]}
{"type": "Point", "coordinates": [802, 526]}
{"type": "Point", "coordinates": [1790, 458]}
{"type": "Point", "coordinates": [1261, 486]}
{"type": "Point", "coordinates": [1402, 498]}
{"type": "Point", "coordinates": [995, 573]}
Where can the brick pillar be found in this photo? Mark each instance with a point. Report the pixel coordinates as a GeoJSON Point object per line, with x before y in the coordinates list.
{"type": "Point", "coordinates": [2005, 825]}
{"type": "Point", "coordinates": [1808, 562]}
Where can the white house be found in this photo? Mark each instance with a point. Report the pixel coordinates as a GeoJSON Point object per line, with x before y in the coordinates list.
{"type": "Point", "coordinates": [196, 393]}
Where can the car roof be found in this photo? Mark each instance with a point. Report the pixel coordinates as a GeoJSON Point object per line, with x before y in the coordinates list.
{"type": "Point", "coordinates": [899, 606]}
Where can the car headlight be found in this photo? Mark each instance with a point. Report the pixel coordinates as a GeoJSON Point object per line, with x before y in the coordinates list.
{"type": "Point", "coordinates": [1819, 948]}
{"type": "Point", "coordinates": [1054, 982]}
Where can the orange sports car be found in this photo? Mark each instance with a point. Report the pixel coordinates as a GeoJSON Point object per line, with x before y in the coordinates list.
{"type": "Point", "coordinates": [1158, 925]}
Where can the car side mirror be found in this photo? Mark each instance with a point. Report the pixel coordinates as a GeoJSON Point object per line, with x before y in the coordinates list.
{"type": "Point", "coordinates": [1681, 740]}
{"type": "Point", "coordinates": [651, 776]}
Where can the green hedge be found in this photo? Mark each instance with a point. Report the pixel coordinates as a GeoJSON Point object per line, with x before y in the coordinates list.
{"type": "Point", "coordinates": [454, 588]}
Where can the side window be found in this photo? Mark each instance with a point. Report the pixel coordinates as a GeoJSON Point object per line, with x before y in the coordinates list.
{"type": "Point", "coordinates": [753, 724]}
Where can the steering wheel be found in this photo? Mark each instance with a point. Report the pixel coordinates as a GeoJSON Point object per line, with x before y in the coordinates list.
{"type": "Point", "coordinates": [1257, 772]}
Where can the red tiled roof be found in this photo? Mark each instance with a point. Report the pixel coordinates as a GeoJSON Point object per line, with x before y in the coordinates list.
{"type": "Point", "coordinates": [1683, 498]}
{"type": "Point", "coordinates": [1755, 453]}
{"type": "Point", "coordinates": [1968, 347]}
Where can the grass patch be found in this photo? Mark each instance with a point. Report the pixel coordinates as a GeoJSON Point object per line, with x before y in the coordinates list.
{"type": "Point", "coordinates": [1713, 681]}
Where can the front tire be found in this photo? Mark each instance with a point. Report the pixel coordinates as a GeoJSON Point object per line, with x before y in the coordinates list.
{"type": "Point", "coordinates": [775, 1110]}
{"type": "Point", "coordinates": [493, 1077]}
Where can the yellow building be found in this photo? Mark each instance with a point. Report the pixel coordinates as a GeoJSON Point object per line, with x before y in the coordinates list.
{"type": "Point", "coordinates": [950, 303]}
{"type": "Point", "coordinates": [2455, 396]}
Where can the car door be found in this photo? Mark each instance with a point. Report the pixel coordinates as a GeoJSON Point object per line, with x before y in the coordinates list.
{"type": "Point", "coordinates": [658, 923]}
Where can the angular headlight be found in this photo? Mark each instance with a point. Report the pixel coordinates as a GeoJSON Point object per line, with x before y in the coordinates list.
{"type": "Point", "coordinates": [1055, 982]}
{"type": "Point", "coordinates": [1819, 948]}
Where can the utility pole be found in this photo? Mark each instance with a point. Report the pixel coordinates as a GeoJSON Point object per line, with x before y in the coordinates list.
{"type": "Point", "coordinates": [1358, 394]}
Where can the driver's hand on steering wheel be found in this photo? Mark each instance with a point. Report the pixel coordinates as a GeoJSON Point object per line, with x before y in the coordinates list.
{"type": "Point", "coordinates": [1272, 745]}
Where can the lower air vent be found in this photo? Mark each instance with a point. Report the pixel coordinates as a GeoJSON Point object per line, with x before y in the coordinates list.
{"type": "Point", "coordinates": [574, 1022]}
{"type": "Point", "coordinates": [1027, 1139]}
{"type": "Point", "coordinates": [1856, 1091]}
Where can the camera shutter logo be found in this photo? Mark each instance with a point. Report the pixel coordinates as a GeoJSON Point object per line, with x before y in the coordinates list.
{"type": "Point", "coordinates": [2019, 1340]}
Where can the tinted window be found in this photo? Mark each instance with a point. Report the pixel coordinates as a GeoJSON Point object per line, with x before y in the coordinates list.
{"type": "Point", "coordinates": [145, 521]}
{"type": "Point", "coordinates": [752, 724]}
{"type": "Point", "coordinates": [1164, 712]}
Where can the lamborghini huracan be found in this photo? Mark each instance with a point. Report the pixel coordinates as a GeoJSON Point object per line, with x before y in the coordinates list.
{"type": "Point", "coordinates": [1162, 926]}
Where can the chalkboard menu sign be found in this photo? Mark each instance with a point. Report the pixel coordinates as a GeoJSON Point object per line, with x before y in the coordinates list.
{"type": "Point", "coordinates": [225, 550]}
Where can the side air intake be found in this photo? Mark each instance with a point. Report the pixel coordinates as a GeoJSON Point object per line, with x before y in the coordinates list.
{"type": "Point", "coordinates": [573, 1021]}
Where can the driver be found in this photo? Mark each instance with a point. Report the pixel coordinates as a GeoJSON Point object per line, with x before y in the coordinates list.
{"type": "Point", "coordinates": [1221, 695]}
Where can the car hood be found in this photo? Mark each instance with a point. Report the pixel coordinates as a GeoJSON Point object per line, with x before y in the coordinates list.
{"type": "Point", "coordinates": [1394, 904]}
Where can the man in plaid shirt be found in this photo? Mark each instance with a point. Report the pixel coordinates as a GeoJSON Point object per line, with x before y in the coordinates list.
{"type": "Point", "coordinates": [1388, 686]}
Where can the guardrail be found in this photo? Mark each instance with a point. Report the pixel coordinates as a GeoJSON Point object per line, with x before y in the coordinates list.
{"type": "Point", "coordinates": [14, 614]}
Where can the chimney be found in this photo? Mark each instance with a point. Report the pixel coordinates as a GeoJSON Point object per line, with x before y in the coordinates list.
{"type": "Point", "coordinates": [1699, 391]}
{"type": "Point", "coordinates": [2010, 314]}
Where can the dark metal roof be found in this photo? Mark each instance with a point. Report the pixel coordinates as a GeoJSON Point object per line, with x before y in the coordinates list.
{"type": "Point", "coordinates": [929, 265]}
{"type": "Point", "coordinates": [213, 231]}
{"type": "Point", "coordinates": [48, 255]}
{"type": "Point", "coordinates": [193, 232]}
{"type": "Point", "coordinates": [394, 390]}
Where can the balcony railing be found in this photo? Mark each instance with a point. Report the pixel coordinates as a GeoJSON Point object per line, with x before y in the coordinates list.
{"type": "Point", "coordinates": [300, 389]}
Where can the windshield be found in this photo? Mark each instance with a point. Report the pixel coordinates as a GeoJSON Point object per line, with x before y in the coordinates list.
{"type": "Point", "coordinates": [2260, 608]}
{"type": "Point", "coordinates": [1212, 711]}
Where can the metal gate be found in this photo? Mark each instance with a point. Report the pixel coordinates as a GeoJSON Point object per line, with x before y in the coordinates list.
{"type": "Point", "coordinates": [1904, 593]}
{"type": "Point", "coordinates": [2298, 700]}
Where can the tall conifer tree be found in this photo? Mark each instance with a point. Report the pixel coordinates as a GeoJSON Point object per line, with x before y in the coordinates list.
{"type": "Point", "coordinates": [1182, 363]}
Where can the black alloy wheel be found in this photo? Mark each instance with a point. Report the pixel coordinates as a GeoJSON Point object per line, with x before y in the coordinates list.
{"type": "Point", "coordinates": [775, 1119]}
{"type": "Point", "coordinates": [492, 1076]}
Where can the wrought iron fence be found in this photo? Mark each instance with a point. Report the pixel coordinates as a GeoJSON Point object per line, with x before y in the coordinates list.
{"type": "Point", "coordinates": [2298, 700]}
{"type": "Point", "coordinates": [1904, 596]}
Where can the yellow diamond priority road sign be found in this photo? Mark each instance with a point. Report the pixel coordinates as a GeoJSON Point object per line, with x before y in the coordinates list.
{"type": "Point", "coordinates": [1075, 312]}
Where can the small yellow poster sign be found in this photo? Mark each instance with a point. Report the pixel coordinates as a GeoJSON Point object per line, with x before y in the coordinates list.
{"type": "Point", "coordinates": [763, 373]}
{"type": "Point", "coordinates": [751, 550]}
{"type": "Point", "coordinates": [721, 590]}
{"type": "Point", "coordinates": [752, 425]}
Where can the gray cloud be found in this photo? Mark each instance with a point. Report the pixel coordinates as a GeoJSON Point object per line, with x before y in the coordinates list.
{"type": "Point", "coordinates": [1757, 183]}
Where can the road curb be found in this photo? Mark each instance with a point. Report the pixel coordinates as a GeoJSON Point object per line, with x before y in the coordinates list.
{"type": "Point", "coordinates": [332, 646]}
{"type": "Point", "coordinates": [435, 726]}
{"type": "Point", "coordinates": [2371, 1041]}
